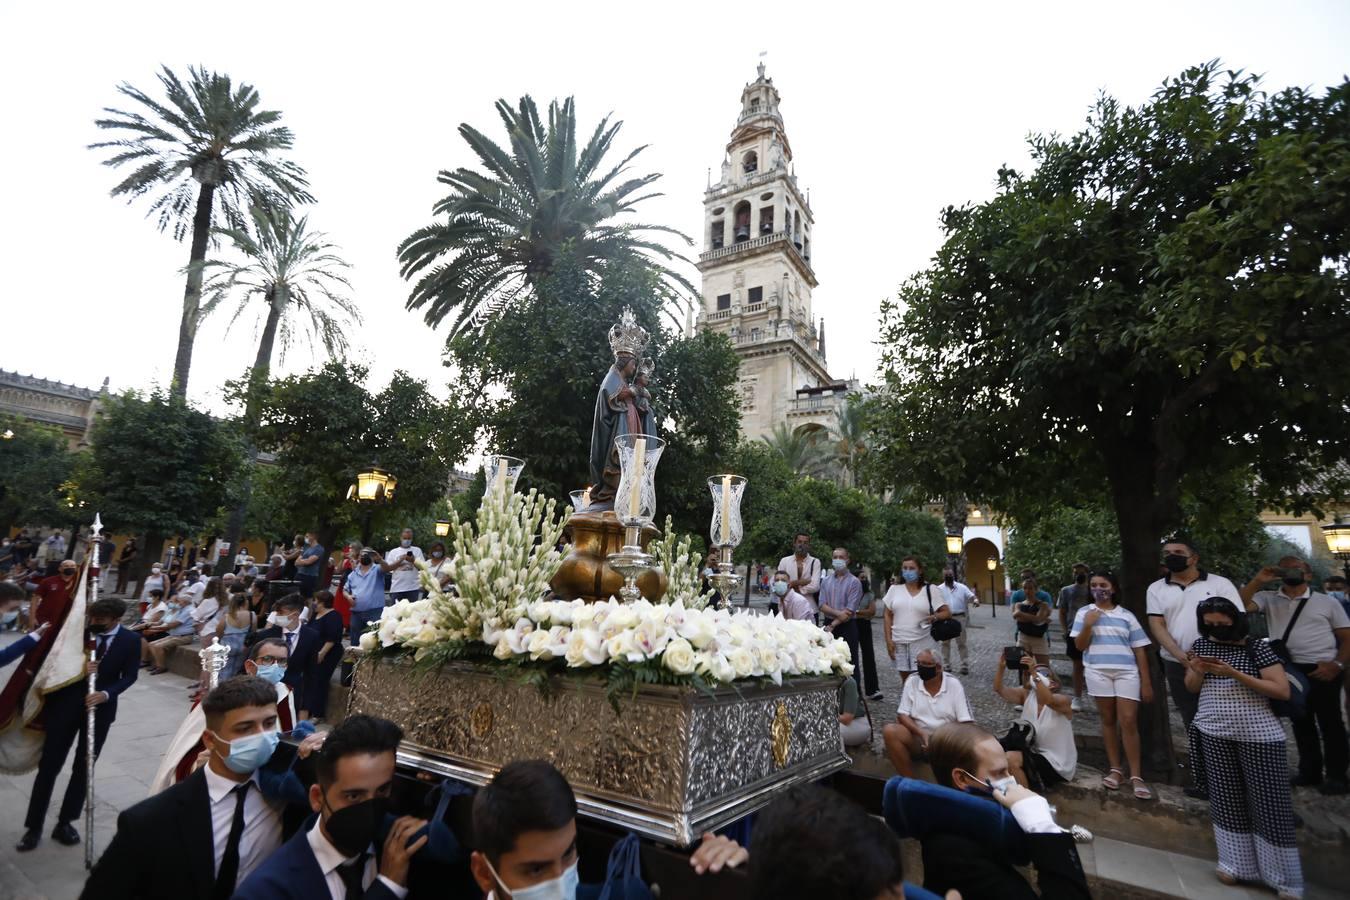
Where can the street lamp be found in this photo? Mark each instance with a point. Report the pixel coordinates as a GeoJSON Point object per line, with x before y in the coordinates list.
{"type": "Point", "coordinates": [1338, 542]}
{"type": "Point", "coordinates": [992, 563]}
{"type": "Point", "coordinates": [442, 527]}
{"type": "Point", "coordinates": [954, 544]}
{"type": "Point", "coordinates": [373, 487]}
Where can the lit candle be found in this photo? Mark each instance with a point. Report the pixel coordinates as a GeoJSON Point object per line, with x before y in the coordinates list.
{"type": "Point", "coordinates": [726, 509]}
{"type": "Point", "coordinates": [501, 475]}
{"type": "Point", "coordinates": [639, 463]}
{"type": "Point", "coordinates": [586, 498]}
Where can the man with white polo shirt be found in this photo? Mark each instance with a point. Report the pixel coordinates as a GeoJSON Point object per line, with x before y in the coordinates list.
{"type": "Point", "coordinates": [1171, 604]}
{"type": "Point", "coordinates": [957, 596]}
{"type": "Point", "coordinates": [405, 583]}
{"type": "Point", "coordinates": [1319, 645]}
{"type": "Point", "coordinates": [927, 702]}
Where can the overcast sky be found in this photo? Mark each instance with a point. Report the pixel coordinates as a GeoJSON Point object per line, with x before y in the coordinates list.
{"type": "Point", "coordinates": [893, 111]}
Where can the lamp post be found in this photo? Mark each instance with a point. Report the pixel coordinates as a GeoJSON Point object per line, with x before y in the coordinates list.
{"type": "Point", "coordinates": [955, 544]}
{"type": "Point", "coordinates": [1338, 542]}
{"type": "Point", "coordinates": [442, 527]}
{"type": "Point", "coordinates": [373, 487]}
{"type": "Point", "coordinates": [992, 563]}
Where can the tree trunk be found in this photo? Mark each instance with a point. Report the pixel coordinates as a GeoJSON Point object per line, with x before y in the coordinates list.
{"type": "Point", "coordinates": [1142, 517]}
{"type": "Point", "coordinates": [955, 515]}
{"type": "Point", "coordinates": [192, 293]}
{"type": "Point", "coordinates": [234, 528]}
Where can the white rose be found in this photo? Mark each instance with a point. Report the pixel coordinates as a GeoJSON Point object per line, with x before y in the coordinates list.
{"type": "Point", "coordinates": [369, 641]}
{"type": "Point", "coordinates": [503, 649]}
{"type": "Point", "coordinates": [585, 648]}
{"type": "Point", "coordinates": [540, 645]}
{"type": "Point", "coordinates": [679, 657]}
{"type": "Point", "coordinates": [742, 662]}
{"type": "Point", "coordinates": [620, 646]}
{"type": "Point", "coordinates": [585, 615]}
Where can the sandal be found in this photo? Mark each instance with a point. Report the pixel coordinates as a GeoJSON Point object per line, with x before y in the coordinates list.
{"type": "Point", "coordinates": [1141, 791]}
{"type": "Point", "coordinates": [1111, 781]}
{"type": "Point", "coordinates": [1227, 878]}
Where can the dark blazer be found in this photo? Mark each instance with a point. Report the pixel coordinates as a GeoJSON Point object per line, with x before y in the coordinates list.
{"type": "Point", "coordinates": [293, 872]}
{"type": "Point", "coordinates": [163, 848]}
{"type": "Point", "coordinates": [956, 862]}
{"type": "Point", "coordinates": [120, 665]}
{"type": "Point", "coordinates": [306, 647]}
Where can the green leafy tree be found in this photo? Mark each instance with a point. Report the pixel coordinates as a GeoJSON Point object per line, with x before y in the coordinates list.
{"type": "Point", "coordinates": [324, 426]}
{"type": "Point", "coordinates": [539, 199]}
{"type": "Point", "coordinates": [160, 468]}
{"type": "Point", "coordinates": [1146, 311]}
{"type": "Point", "coordinates": [206, 148]}
{"type": "Point", "coordinates": [36, 463]}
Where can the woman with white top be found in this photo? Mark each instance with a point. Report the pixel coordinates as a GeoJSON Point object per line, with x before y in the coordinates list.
{"type": "Point", "coordinates": [1051, 752]}
{"type": "Point", "coordinates": [911, 609]}
{"type": "Point", "coordinates": [1116, 671]}
{"type": "Point", "coordinates": [439, 565]}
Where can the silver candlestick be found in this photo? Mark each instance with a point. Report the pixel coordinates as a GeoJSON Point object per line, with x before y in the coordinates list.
{"type": "Point", "coordinates": [635, 504]}
{"type": "Point", "coordinates": [631, 561]}
{"type": "Point", "coordinates": [213, 660]}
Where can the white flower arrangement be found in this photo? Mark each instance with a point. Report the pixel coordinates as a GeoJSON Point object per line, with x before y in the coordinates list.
{"type": "Point", "coordinates": [684, 581]}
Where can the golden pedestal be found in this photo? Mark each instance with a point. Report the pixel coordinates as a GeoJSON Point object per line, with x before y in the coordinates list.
{"type": "Point", "coordinates": [585, 573]}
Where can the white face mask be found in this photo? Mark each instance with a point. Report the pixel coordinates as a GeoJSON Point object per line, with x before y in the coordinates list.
{"type": "Point", "coordinates": [564, 887]}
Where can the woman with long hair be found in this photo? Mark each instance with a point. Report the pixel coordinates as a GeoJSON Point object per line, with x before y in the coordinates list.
{"type": "Point", "coordinates": [233, 627]}
{"type": "Point", "coordinates": [1238, 750]}
{"type": "Point", "coordinates": [1116, 670]}
{"type": "Point", "coordinates": [912, 606]}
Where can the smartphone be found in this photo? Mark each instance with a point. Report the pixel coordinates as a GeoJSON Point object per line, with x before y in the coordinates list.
{"type": "Point", "coordinates": [1012, 656]}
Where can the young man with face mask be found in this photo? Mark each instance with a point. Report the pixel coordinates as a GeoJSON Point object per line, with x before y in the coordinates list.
{"type": "Point", "coordinates": [927, 702]}
{"type": "Point", "coordinates": [203, 836]}
{"type": "Point", "coordinates": [803, 569]}
{"type": "Point", "coordinates": [65, 714]}
{"type": "Point", "coordinates": [1315, 631]}
{"type": "Point", "coordinates": [302, 641]}
{"type": "Point", "coordinates": [405, 578]}
{"type": "Point", "coordinates": [187, 752]}
{"type": "Point", "coordinates": [352, 849]}
{"type": "Point", "coordinates": [791, 604]}
{"type": "Point", "coordinates": [1171, 603]}
{"type": "Point", "coordinates": [839, 596]}
{"type": "Point", "coordinates": [967, 758]}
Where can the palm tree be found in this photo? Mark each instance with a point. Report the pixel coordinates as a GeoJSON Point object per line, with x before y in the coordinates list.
{"type": "Point", "coordinates": [206, 148]}
{"type": "Point", "coordinates": [505, 227]}
{"type": "Point", "coordinates": [849, 434]}
{"type": "Point", "coordinates": [295, 273]}
{"type": "Point", "coordinates": [803, 451]}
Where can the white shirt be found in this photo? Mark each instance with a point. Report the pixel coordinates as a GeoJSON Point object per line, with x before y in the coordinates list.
{"type": "Point", "coordinates": [329, 858]}
{"type": "Point", "coordinates": [956, 596]}
{"type": "Point", "coordinates": [908, 612]}
{"type": "Point", "coordinates": [1176, 605]}
{"type": "Point", "coordinates": [1313, 639]}
{"type": "Point", "coordinates": [1054, 735]}
{"type": "Point", "coordinates": [932, 711]}
{"type": "Point", "coordinates": [810, 570]}
{"type": "Point", "coordinates": [401, 579]}
{"type": "Point", "coordinates": [153, 582]}
{"type": "Point", "coordinates": [262, 822]}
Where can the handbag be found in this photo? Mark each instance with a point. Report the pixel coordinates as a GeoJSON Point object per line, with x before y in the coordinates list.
{"type": "Point", "coordinates": [1299, 685]}
{"type": "Point", "coordinates": [943, 629]}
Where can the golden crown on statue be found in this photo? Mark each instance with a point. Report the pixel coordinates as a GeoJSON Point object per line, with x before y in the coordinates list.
{"type": "Point", "coordinates": [627, 336]}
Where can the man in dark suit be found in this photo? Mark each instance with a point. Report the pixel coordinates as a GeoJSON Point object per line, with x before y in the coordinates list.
{"type": "Point", "coordinates": [64, 716]}
{"type": "Point", "coordinates": [205, 834]}
{"type": "Point", "coordinates": [302, 641]}
{"type": "Point", "coordinates": [336, 857]}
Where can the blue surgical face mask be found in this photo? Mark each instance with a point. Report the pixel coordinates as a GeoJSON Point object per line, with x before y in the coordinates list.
{"type": "Point", "coordinates": [780, 588]}
{"type": "Point", "coordinates": [564, 887]}
{"type": "Point", "coordinates": [839, 564]}
{"type": "Point", "coordinates": [406, 542]}
{"type": "Point", "coordinates": [272, 672]}
{"type": "Point", "coordinates": [250, 753]}
{"type": "Point", "coordinates": [1339, 595]}
{"type": "Point", "coordinates": [910, 575]}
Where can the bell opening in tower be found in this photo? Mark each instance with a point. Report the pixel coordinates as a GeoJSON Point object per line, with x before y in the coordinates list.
{"type": "Point", "coordinates": [750, 162]}
{"type": "Point", "coordinates": [743, 221]}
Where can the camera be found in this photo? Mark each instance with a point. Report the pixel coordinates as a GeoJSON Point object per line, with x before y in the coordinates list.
{"type": "Point", "coordinates": [1012, 657]}
{"type": "Point", "coordinates": [365, 559]}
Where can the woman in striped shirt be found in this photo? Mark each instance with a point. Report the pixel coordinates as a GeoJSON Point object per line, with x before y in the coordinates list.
{"type": "Point", "coordinates": [1116, 671]}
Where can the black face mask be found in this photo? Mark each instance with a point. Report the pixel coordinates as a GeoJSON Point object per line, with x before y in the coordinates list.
{"type": "Point", "coordinates": [96, 627]}
{"type": "Point", "coordinates": [1080, 579]}
{"type": "Point", "coordinates": [927, 673]}
{"type": "Point", "coordinates": [1294, 577]}
{"type": "Point", "coordinates": [1175, 562]}
{"type": "Point", "coordinates": [354, 828]}
{"type": "Point", "coordinates": [1224, 632]}
{"type": "Point", "coordinates": [949, 580]}
{"type": "Point", "coordinates": [365, 559]}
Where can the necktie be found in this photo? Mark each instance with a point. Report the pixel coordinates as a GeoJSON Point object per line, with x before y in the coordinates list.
{"type": "Point", "coordinates": [229, 863]}
{"type": "Point", "coordinates": [290, 642]}
{"type": "Point", "coordinates": [102, 644]}
{"type": "Point", "coordinates": [352, 874]}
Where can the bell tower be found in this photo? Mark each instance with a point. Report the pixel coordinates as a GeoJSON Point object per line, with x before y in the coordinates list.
{"type": "Point", "coordinates": [757, 273]}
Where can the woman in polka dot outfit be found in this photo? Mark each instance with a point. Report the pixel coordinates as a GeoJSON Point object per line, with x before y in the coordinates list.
{"type": "Point", "coordinates": [1238, 750]}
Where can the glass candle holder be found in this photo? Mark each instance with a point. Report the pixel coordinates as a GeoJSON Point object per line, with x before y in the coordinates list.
{"type": "Point", "coordinates": [635, 500]}
{"type": "Point", "coordinates": [727, 490]}
{"type": "Point", "coordinates": [502, 472]}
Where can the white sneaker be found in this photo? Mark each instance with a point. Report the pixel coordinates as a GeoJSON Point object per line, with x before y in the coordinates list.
{"type": "Point", "coordinates": [1076, 705]}
{"type": "Point", "coordinates": [1017, 707]}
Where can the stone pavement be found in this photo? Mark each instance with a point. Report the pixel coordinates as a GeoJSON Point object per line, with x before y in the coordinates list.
{"type": "Point", "coordinates": [147, 716]}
